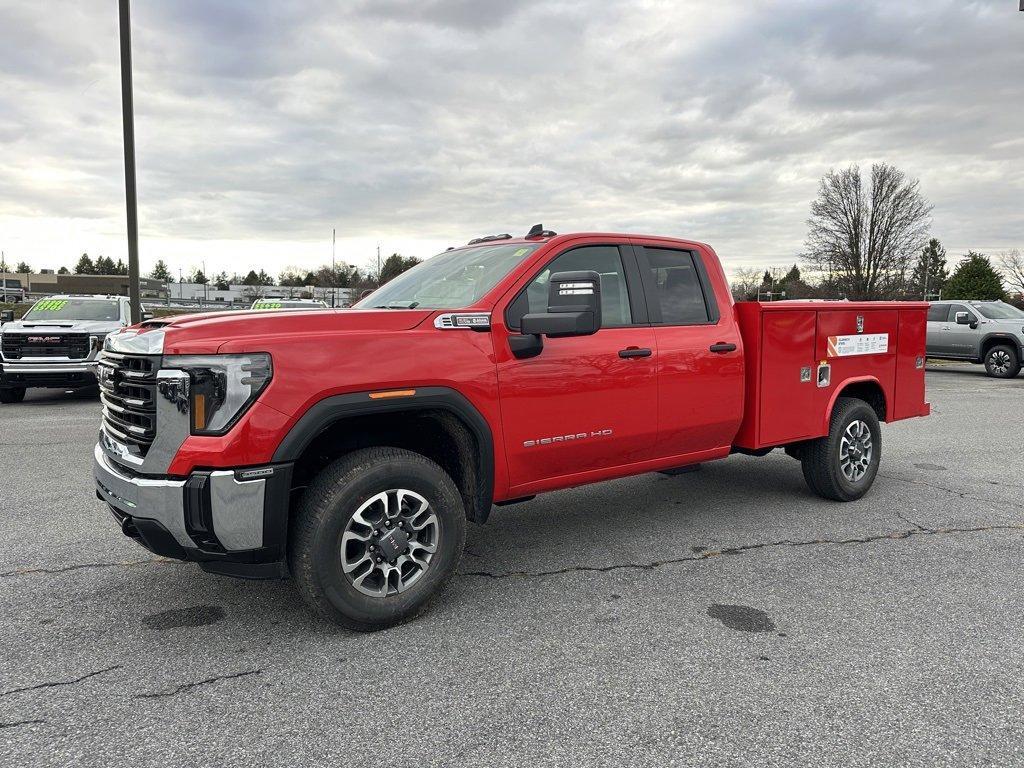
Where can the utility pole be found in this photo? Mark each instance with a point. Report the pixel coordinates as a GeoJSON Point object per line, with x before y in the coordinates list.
{"type": "Point", "coordinates": [378, 265]}
{"type": "Point", "coordinates": [925, 280]}
{"type": "Point", "coordinates": [128, 124]}
{"type": "Point", "coordinates": [334, 271]}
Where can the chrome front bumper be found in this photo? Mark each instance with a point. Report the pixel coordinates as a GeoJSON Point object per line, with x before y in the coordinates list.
{"type": "Point", "coordinates": [236, 507]}
{"type": "Point", "coordinates": [20, 366]}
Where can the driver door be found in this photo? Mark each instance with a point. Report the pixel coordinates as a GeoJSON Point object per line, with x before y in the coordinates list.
{"type": "Point", "coordinates": [585, 404]}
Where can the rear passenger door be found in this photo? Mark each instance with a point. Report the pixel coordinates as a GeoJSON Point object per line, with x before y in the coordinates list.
{"type": "Point", "coordinates": [700, 355]}
{"type": "Point", "coordinates": [938, 329]}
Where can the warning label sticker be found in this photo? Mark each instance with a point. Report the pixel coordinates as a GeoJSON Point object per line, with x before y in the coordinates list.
{"type": "Point", "coordinates": [860, 344]}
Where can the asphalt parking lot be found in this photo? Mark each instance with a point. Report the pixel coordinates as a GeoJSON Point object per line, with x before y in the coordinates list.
{"type": "Point", "coordinates": [723, 617]}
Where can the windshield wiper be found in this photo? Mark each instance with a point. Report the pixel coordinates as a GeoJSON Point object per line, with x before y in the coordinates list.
{"type": "Point", "coordinates": [398, 305]}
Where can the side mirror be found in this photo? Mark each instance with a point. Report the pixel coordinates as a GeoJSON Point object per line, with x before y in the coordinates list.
{"type": "Point", "coordinates": [574, 307]}
{"type": "Point", "coordinates": [7, 316]}
{"type": "Point", "coordinates": [964, 318]}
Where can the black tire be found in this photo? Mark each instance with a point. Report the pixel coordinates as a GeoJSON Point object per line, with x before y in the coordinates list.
{"type": "Point", "coordinates": [820, 458]}
{"type": "Point", "coordinates": [14, 395]}
{"type": "Point", "coordinates": [332, 500]}
{"type": "Point", "coordinates": [1002, 362]}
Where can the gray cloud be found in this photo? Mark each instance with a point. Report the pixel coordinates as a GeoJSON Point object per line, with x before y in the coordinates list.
{"type": "Point", "coordinates": [442, 119]}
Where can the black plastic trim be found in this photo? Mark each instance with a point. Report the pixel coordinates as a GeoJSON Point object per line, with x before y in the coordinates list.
{"type": "Point", "coordinates": [330, 410]}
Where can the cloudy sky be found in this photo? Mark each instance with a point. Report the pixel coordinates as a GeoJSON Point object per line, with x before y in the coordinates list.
{"type": "Point", "coordinates": [262, 124]}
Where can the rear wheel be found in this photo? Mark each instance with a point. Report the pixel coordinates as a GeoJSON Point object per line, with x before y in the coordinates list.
{"type": "Point", "coordinates": [376, 535]}
{"type": "Point", "coordinates": [1002, 362]}
{"type": "Point", "coordinates": [843, 465]}
{"type": "Point", "coordinates": [13, 395]}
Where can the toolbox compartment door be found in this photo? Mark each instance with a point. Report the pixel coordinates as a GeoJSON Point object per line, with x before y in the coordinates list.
{"type": "Point", "coordinates": [910, 394]}
{"type": "Point", "coordinates": [787, 390]}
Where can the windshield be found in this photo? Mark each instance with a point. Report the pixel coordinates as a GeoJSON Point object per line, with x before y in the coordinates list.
{"type": "Point", "coordinates": [73, 309]}
{"type": "Point", "coordinates": [999, 310]}
{"type": "Point", "coordinates": [451, 280]}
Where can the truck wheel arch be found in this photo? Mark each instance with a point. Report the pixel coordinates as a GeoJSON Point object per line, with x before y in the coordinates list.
{"type": "Point", "coordinates": [866, 388]}
{"type": "Point", "coordinates": [472, 466]}
{"type": "Point", "coordinates": [994, 339]}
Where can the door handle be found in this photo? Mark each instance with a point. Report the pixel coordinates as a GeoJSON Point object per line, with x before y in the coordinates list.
{"type": "Point", "coordinates": [722, 348]}
{"type": "Point", "coordinates": [634, 352]}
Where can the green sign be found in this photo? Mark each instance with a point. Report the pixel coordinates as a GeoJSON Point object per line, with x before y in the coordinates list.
{"type": "Point", "coordinates": [49, 305]}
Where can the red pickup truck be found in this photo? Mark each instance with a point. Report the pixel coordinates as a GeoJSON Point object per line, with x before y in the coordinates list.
{"type": "Point", "coordinates": [349, 448]}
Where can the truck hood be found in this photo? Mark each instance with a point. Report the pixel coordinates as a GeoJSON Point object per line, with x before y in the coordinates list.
{"type": "Point", "coordinates": [92, 327]}
{"type": "Point", "coordinates": [1013, 325]}
{"type": "Point", "coordinates": [206, 333]}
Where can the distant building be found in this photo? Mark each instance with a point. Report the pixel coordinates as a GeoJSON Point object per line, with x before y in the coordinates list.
{"type": "Point", "coordinates": [47, 282]}
{"type": "Point", "coordinates": [246, 294]}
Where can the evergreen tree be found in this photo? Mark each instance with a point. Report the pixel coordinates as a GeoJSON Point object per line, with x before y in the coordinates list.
{"type": "Point", "coordinates": [932, 256]}
{"type": "Point", "coordinates": [120, 268]}
{"type": "Point", "coordinates": [85, 266]}
{"type": "Point", "coordinates": [975, 278]}
{"type": "Point", "coordinates": [252, 278]}
{"type": "Point", "coordinates": [23, 267]}
{"type": "Point", "coordinates": [394, 265]}
{"type": "Point", "coordinates": [222, 282]}
{"type": "Point", "coordinates": [161, 272]}
{"type": "Point", "coordinates": [104, 266]}
{"type": "Point", "coordinates": [63, 271]}
{"type": "Point", "coordinates": [198, 277]}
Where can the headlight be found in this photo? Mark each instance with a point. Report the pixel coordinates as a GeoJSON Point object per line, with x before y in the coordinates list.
{"type": "Point", "coordinates": [222, 387]}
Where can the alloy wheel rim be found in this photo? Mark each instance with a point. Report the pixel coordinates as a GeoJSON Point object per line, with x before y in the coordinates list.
{"type": "Point", "coordinates": [855, 451]}
{"type": "Point", "coordinates": [1000, 361]}
{"type": "Point", "coordinates": [389, 542]}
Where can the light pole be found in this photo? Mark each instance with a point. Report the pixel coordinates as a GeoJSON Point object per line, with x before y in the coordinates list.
{"type": "Point", "coordinates": [128, 124]}
{"type": "Point", "coordinates": [334, 271]}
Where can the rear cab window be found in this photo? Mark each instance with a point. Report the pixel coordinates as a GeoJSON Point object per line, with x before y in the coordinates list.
{"type": "Point", "coordinates": [679, 292]}
{"type": "Point", "coordinates": [938, 313]}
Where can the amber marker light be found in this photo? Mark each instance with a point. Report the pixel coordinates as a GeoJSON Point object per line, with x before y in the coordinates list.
{"type": "Point", "coordinates": [392, 393]}
{"type": "Point", "coordinates": [199, 410]}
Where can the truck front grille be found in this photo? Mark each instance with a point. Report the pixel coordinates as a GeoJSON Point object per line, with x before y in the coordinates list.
{"type": "Point", "coordinates": [128, 394]}
{"type": "Point", "coordinates": [17, 346]}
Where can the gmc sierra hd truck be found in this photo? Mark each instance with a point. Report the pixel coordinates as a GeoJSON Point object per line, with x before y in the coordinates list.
{"type": "Point", "coordinates": [348, 448]}
{"type": "Point", "coordinates": [56, 343]}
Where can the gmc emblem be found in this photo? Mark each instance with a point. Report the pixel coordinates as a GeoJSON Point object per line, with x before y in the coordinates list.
{"type": "Point", "coordinates": [44, 339]}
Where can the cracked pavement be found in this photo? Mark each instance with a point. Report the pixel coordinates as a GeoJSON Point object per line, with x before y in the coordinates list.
{"type": "Point", "coordinates": [723, 617]}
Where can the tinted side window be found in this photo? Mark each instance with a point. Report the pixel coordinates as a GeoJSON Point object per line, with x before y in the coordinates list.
{"type": "Point", "coordinates": [603, 259]}
{"type": "Point", "coordinates": [937, 313]}
{"type": "Point", "coordinates": [677, 288]}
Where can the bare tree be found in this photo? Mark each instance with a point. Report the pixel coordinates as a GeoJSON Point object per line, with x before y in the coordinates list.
{"type": "Point", "coordinates": [1012, 264]}
{"type": "Point", "coordinates": [866, 239]}
{"type": "Point", "coordinates": [744, 282]}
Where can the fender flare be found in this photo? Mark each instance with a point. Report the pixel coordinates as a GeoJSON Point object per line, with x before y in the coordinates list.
{"type": "Point", "coordinates": [330, 410]}
{"type": "Point", "coordinates": [1012, 340]}
{"type": "Point", "coordinates": [838, 391]}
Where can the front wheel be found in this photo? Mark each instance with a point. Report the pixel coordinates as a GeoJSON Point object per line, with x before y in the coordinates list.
{"type": "Point", "coordinates": [1002, 362]}
{"type": "Point", "coordinates": [377, 534]}
{"type": "Point", "coordinates": [842, 466]}
{"type": "Point", "coordinates": [13, 395]}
